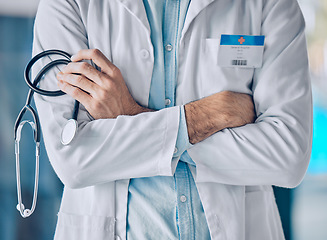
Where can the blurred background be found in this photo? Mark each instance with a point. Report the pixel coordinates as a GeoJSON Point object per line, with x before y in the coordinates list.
{"type": "Point", "coordinates": [303, 209]}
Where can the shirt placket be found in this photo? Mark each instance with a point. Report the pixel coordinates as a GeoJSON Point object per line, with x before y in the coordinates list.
{"type": "Point", "coordinates": [184, 217]}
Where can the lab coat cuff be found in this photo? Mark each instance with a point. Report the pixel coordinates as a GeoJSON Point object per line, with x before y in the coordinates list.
{"type": "Point", "coordinates": [182, 142]}
{"type": "Point", "coordinates": [166, 162]}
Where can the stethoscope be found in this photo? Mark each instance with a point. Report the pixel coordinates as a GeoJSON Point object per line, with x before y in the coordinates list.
{"type": "Point", "coordinates": [67, 134]}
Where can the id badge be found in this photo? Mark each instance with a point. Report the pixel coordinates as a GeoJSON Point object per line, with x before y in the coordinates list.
{"type": "Point", "coordinates": [242, 51]}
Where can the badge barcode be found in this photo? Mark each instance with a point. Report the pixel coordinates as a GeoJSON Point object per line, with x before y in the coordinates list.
{"type": "Point", "coordinates": [239, 62]}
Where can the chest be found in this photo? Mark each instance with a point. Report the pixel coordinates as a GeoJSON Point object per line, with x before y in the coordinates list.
{"type": "Point", "coordinates": [124, 36]}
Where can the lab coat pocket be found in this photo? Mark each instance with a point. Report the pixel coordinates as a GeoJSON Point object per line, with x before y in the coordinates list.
{"type": "Point", "coordinates": [215, 78]}
{"type": "Point", "coordinates": [81, 227]}
{"type": "Point", "coordinates": [261, 220]}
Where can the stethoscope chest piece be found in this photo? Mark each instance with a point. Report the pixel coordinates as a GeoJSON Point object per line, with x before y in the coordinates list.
{"type": "Point", "coordinates": [69, 131]}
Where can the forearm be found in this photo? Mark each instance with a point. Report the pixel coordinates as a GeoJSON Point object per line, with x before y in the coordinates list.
{"type": "Point", "coordinates": [106, 150]}
{"type": "Point", "coordinates": [103, 150]}
{"type": "Point", "coordinates": [216, 112]}
{"type": "Point", "coordinates": [275, 150]}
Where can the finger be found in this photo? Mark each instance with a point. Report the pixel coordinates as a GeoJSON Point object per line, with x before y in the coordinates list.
{"type": "Point", "coordinates": [79, 81]}
{"type": "Point", "coordinates": [75, 93]}
{"type": "Point", "coordinates": [98, 58]}
{"type": "Point", "coordinates": [83, 68]}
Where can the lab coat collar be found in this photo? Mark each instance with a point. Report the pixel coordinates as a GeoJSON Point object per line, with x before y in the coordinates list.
{"type": "Point", "coordinates": [136, 8]}
{"type": "Point", "coordinates": [196, 6]}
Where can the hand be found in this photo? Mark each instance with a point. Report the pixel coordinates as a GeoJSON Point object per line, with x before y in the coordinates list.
{"type": "Point", "coordinates": [216, 112]}
{"type": "Point", "coordinates": [103, 93]}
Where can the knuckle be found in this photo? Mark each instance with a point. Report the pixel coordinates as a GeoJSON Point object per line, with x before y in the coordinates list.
{"type": "Point", "coordinates": [102, 94]}
{"type": "Point", "coordinates": [116, 71]}
{"type": "Point", "coordinates": [99, 75]}
{"type": "Point", "coordinates": [84, 65]}
{"type": "Point", "coordinates": [78, 79]}
{"type": "Point", "coordinates": [96, 105]}
{"type": "Point", "coordinates": [109, 85]}
{"type": "Point", "coordinates": [95, 52]}
{"type": "Point", "coordinates": [75, 92]}
{"type": "Point", "coordinates": [67, 67]}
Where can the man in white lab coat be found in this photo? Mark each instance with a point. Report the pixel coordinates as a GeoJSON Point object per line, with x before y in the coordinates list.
{"type": "Point", "coordinates": [248, 126]}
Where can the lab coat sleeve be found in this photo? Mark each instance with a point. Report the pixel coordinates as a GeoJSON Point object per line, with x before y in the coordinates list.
{"type": "Point", "coordinates": [103, 150]}
{"type": "Point", "coordinates": [275, 150]}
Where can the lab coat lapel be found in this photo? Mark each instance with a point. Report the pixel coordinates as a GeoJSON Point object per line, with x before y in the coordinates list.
{"type": "Point", "coordinates": [196, 6]}
{"type": "Point", "coordinates": [137, 9]}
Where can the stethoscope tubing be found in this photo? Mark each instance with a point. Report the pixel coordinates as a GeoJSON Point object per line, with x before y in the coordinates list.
{"type": "Point", "coordinates": [20, 206]}
{"type": "Point", "coordinates": [33, 87]}
{"type": "Point", "coordinates": [44, 70]}
{"type": "Point", "coordinates": [37, 135]}
{"type": "Point", "coordinates": [19, 124]}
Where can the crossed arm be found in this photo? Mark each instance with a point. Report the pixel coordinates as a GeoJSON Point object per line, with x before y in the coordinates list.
{"type": "Point", "coordinates": [275, 150]}
{"type": "Point", "coordinates": [105, 95]}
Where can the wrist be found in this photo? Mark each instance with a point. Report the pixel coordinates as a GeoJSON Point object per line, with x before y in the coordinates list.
{"type": "Point", "coordinates": [204, 118]}
{"type": "Point", "coordinates": [199, 124]}
{"type": "Point", "coordinates": [189, 116]}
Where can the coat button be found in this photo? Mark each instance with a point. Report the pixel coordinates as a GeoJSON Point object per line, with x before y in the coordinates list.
{"type": "Point", "coordinates": [167, 102]}
{"type": "Point", "coordinates": [175, 150]}
{"type": "Point", "coordinates": [144, 54]}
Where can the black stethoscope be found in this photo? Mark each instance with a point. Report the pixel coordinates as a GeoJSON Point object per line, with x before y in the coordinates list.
{"type": "Point", "coordinates": [67, 134]}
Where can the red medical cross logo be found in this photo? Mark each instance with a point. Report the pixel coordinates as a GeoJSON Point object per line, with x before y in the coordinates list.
{"type": "Point", "coordinates": [241, 40]}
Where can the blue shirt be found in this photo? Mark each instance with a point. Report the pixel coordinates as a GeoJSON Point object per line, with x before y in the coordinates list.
{"type": "Point", "coordinates": [166, 207]}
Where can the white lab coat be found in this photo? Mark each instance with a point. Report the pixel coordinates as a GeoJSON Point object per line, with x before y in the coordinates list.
{"type": "Point", "coordinates": [235, 168]}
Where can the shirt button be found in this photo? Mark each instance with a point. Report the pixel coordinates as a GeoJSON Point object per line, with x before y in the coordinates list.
{"type": "Point", "coordinates": [169, 47]}
{"type": "Point", "coordinates": [144, 54]}
{"type": "Point", "coordinates": [175, 150]}
{"type": "Point", "coordinates": [167, 102]}
{"type": "Point", "coordinates": [182, 198]}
